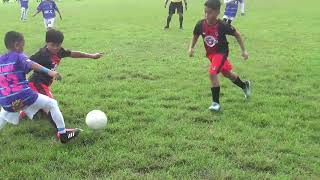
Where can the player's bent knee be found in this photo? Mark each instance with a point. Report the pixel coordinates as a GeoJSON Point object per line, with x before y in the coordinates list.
{"type": "Point", "coordinates": [53, 104]}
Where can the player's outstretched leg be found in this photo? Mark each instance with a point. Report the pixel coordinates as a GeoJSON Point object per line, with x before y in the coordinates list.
{"type": "Point", "coordinates": [65, 135]}
{"type": "Point", "coordinates": [244, 85]}
{"type": "Point", "coordinates": [50, 105]}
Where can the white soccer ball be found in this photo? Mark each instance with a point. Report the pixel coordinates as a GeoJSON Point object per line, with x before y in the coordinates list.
{"type": "Point", "coordinates": [96, 119]}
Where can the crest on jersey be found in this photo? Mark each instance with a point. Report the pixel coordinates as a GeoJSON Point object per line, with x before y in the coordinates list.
{"type": "Point", "coordinates": [210, 41]}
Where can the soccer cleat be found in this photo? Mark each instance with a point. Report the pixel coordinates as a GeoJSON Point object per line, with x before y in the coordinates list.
{"type": "Point", "coordinates": [214, 107]}
{"type": "Point", "coordinates": [247, 89]}
{"type": "Point", "coordinates": [166, 27]}
{"type": "Point", "coordinates": [181, 28]}
{"type": "Point", "coordinates": [68, 135]}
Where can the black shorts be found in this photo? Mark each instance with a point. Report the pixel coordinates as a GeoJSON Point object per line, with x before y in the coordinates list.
{"type": "Point", "coordinates": [176, 6]}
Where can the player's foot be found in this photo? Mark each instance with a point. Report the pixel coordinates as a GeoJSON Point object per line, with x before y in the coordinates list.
{"type": "Point", "coordinates": [247, 89]}
{"type": "Point", "coordinates": [68, 135]}
{"type": "Point", "coordinates": [166, 27]}
{"type": "Point", "coordinates": [181, 28]}
{"type": "Point", "coordinates": [242, 14]}
{"type": "Point", "coordinates": [214, 106]}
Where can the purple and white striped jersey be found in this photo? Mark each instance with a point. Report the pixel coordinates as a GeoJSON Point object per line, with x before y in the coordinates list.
{"type": "Point", "coordinates": [15, 92]}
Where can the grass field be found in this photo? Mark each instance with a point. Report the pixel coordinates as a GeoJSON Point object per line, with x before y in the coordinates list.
{"type": "Point", "coordinates": [156, 97]}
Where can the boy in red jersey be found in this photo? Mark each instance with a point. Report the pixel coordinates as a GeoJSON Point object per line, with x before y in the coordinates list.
{"type": "Point", "coordinates": [213, 32]}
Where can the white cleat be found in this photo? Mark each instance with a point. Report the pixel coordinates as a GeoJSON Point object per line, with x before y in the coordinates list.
{"type": "Point", "coordinates": [247, 89]}
{"type": "Point", "coordinates": [214, 107]}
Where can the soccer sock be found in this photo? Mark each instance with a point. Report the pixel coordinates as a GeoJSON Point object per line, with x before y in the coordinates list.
{"type": "Point", "coordinates": [181, 20]}
{"type": "Point", "coordinates": [215, 94]}
{"type": "Point", "coordinates": [57, 116]}
{"type": "Point", "coordinates": [168, 20]}
{"type": "Point", "coordinates": [25, 14]}
{"type": "Point", "coordinates": [51, 120]}
{"type": "Point", "coordinates": [239, 83]}
{"type": "Point", "coordinates": [21, 16]}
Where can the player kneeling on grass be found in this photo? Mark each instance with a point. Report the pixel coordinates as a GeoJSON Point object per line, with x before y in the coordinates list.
{"type": "Point", "coordinates": [15, 92]}
{"type": "Point", "coordinates": [214, 31]}
{"type": "Point", "coordinates": [50, 57]}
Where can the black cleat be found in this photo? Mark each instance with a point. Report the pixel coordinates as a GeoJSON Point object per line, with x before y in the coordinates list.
{"type": "Point", "coordinates": [166, 27]}
{"type": "Point", "coordinates": [70, 134]}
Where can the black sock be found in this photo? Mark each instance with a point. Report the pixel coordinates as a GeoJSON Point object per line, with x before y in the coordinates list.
{"type": "Point", "coordinates": [215, 94]}
{"type": "Point", "coordinates": [239, 83]}
{"type": "Point", "coordinates": [168, 20]}
{"type": "Point", "coordinates": [181, 20]}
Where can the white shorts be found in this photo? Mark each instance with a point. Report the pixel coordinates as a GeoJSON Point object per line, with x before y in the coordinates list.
{"type": "Point", "coordinates": [48, 23]}
{"type": "Point", "coordinates": [42, 102]}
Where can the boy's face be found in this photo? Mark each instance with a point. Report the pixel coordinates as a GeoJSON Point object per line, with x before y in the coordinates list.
{"type": "Point", "coordinates": [19, 46]}
{"type": "Point", "coordinates": [53, 48]}
{"type": "Point", "coordinates": [211, 14]}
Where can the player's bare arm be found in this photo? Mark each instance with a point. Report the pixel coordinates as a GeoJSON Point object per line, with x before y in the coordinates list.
{"type": "Point", "coordinates": [192, 45]}
{"type": "Point", "coordinates": [244, 52]}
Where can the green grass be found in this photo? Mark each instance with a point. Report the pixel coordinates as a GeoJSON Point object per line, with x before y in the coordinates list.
{"type": "Point", "coordinates": [156, 98]}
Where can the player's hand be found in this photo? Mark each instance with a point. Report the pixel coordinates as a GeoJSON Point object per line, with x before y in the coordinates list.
{"type": "Point", "coordinates": [191, 52]}
{"type": "Point", "coordinates": [55, 75]}
{"type": "Point", "coordinates": [245, 55]}
{"type": "Point", "coordinates": [96, 55]}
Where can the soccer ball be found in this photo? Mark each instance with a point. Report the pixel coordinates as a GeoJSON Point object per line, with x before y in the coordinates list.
{"type": "Point", "coordinates": [96, 119]}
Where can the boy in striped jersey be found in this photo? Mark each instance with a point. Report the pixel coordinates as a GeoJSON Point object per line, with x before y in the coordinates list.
{"type": "Point", "coordinates": [232, 9]}
{"type": "Point", "coordinates": [213, 32]}
{"type": "Point", "coordinates": [16, 94]}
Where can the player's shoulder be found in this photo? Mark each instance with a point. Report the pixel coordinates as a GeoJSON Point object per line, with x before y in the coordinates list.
{"type": "Point", "coordinates": [40, 52]}
{"type": "Point", "coordinates": [200, 22]}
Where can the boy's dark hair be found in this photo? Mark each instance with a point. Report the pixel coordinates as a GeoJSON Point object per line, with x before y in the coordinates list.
{"type": "Point", "coordinates": [54, 36]}
{"type": "Point", "coordinates": [11, 38]}
{"type": "Point", "coordinates": [213, 4]}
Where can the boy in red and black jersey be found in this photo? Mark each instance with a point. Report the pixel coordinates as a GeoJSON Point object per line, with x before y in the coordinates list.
{"type": "Point", "coordinates": [50, 57]}
{"type": "Point", "coordinates": [213, 32]}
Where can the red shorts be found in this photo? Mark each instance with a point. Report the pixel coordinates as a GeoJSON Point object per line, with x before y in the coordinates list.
{"type": "Point", "coordinates": [216, 67]}
{"type": "Point", "coordinates": [41, 88]}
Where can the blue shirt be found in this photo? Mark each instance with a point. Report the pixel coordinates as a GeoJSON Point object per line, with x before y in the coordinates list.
{"type": "Point", "coordinates": [24, 3]}
{"type": "Point", "coordinates": [232, 8]}
{"type": "Point", "coordinates": [48, 9]}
